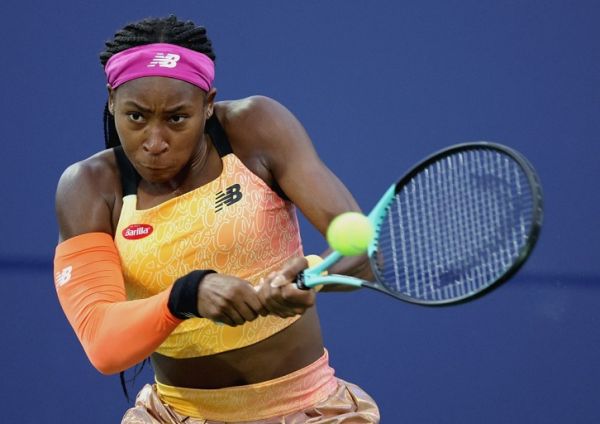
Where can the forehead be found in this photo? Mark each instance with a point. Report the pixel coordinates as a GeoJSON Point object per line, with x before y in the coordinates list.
{"type": "Point", "coordinates": [159, 90]}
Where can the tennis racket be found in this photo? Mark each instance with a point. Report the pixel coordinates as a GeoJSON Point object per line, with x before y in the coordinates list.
{"type": "Point", "coordinates": [460, 222]}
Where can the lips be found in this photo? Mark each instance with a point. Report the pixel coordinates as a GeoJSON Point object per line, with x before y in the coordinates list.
{"type": "Point", "coordinates": [155, 168]}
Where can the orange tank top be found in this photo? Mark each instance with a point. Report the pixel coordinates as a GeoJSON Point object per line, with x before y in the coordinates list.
{"type": "Point", "coordinates": [235, 225]}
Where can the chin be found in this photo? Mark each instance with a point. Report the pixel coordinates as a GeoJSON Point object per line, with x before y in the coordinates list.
{"type": "Point", "coordinates": [157, 176]}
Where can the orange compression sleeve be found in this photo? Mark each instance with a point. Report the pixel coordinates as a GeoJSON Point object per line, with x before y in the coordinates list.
{"type": "Point", "coordinates": [114, 332]}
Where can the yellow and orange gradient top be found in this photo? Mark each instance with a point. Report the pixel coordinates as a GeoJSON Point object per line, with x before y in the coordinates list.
{"type": "Point", "coordinates": [235, 225]}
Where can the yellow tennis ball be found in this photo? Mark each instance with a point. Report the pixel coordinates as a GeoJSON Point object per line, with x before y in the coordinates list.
{"type": "Point", "coordinates": [350, 233]}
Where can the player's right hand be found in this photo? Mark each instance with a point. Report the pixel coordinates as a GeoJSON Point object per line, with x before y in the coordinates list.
{"type": "Point", "coordinates": [280, 295]}
{"type": "Point", "coordinates": [229, 300]}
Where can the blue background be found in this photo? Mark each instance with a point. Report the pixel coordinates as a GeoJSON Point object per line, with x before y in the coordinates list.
{"type": "Point", "coordinates": [378, 85]}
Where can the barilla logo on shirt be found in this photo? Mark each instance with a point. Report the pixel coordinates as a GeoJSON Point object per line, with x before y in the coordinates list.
{"type": "Point", "coordinates": [137, 231]}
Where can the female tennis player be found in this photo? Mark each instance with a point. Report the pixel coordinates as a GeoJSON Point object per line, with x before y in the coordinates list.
{"type": "Point", "coordinates": [179, 241]}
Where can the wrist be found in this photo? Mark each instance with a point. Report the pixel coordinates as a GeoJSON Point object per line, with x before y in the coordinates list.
{"type": "Point", "coordinates": [183, 299]}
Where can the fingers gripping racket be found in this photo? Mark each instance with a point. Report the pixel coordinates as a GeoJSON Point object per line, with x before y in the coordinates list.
{"type": "Point", "coordinates": [459, 223]}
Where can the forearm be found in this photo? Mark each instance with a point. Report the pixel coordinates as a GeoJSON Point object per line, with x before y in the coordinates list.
{"type": "Point", "coordinates": [115, 333]}
{"type": "Point", "coordinates": [354, 266]}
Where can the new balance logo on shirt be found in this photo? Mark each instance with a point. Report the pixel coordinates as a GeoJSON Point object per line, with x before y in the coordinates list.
{"type": "Point", "coordinates": [168, 60]}
{"type": "Point", "coordinates": [228, 197]}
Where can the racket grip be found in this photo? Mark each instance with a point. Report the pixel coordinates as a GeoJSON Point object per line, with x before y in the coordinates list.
{"type": "Point", "coordinates": [299, 281]}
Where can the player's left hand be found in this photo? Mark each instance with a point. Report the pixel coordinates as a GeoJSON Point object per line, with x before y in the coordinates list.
{"type": "Point", "coordinates": [280, 295]}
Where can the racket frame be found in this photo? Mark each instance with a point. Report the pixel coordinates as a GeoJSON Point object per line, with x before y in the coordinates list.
{"type": "Point", "coordinates": [313, 276]}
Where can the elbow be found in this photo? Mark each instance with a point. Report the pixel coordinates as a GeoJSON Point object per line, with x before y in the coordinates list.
{"type": "Point", "coordinates": [105, 363]}
{"type": "Point", "coordinates": [106, 367]}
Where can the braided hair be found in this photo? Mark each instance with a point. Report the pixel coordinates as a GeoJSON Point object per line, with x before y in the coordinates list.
{"type": "Point", "coordinates": [149, 31]}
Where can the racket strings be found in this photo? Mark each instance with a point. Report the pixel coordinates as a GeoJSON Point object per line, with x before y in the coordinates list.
{"type": "Point", "coordinates": [456, 227]}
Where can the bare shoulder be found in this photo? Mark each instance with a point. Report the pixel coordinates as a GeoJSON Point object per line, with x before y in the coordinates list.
{"type": "Point", "coordinates": [241, 110]}
{"type": "Point", "coordinates": [100, 169]}
{"type": "Point", "coordinates": [259, 120]}
{"type": "Point", "coordinates": [265, 135]}
{"type": "Point", "coordinates": [86, 194]}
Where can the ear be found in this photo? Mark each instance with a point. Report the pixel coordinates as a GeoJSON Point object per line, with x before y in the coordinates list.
{"type": "Point", "coordinates": [111, 99]}
{"type": "Point", "coordinates": [209, 102]}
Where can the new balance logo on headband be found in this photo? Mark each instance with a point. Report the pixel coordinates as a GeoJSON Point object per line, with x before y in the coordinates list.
{"type": "Point", "coordinates": [168, 60]}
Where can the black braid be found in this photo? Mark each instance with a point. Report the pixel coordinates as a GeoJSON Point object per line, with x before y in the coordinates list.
{"type": "Point", "coordinates": [148, 31]}
{"type": "Point", "coordinates": [110, 130]}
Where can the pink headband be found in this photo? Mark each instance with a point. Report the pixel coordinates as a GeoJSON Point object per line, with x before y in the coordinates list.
{"type": "Point", "coordinates": [162, 60]}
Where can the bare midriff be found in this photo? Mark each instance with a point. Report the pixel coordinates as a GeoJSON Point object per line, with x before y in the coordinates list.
{"type": "Point", "coordinates": [289, 350]}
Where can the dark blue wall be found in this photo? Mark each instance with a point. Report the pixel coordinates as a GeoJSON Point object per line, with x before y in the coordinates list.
{"type": "Point", "coordinates": [378, 85]}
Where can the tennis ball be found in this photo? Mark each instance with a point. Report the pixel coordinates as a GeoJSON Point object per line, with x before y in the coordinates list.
{"type": "Point", "coordinates": [350, 233]}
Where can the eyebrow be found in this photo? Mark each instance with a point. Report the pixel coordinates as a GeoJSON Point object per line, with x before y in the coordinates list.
{"type": "Point", "coordinates": [177, 107]}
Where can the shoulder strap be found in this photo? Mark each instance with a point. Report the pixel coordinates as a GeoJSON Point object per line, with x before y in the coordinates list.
{"type": "Point", "coordinates": [129, 176]}
{"type": "Point", "coordinates": [214, 128]}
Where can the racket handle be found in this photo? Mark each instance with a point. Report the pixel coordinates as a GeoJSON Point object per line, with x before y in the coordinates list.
{"type": "Point", "coordinates": [299, 281]}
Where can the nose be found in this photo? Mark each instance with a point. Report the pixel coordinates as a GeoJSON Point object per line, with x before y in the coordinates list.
{"type": "Point", "coordinates": [155, 143]}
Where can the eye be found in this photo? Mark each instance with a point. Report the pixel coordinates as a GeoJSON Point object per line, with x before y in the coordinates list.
{"type": "Point", "coordinates": [177, 119]}
{"type": "Point", "coordinates": [135, 117]}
